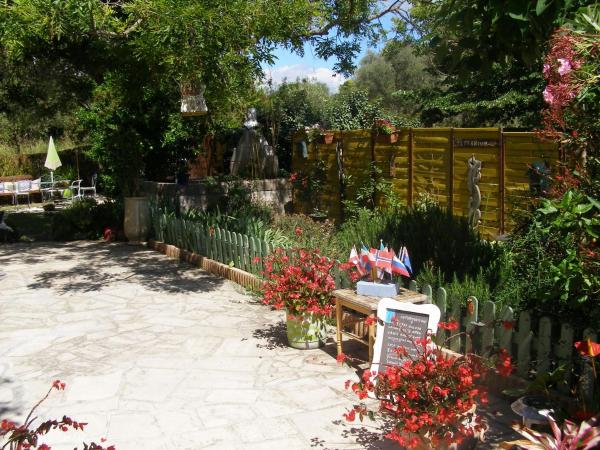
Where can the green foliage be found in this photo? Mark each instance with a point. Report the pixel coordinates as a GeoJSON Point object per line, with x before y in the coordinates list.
{"type": "Point", "coordinates": [490, 54]}
{"type": "Point", "coordinates": [352, 110]}
{"type": "Point", "coordinates": [86, 219]}
{"type": "Point", "coordinates": [124, 63]}
{"type": "Point", "coordinates": [292, 107]}
{"type": "Point", "coordinates": [555, 254]}
{"type": "Point", "coordinates": [308, 233]}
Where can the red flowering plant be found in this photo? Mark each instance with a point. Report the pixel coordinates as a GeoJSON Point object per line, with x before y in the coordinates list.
{"type": "Point", "coordinates": [27, 436]}
{"type": "Point", "coordinates": [300, 281]}
{"type": "Point", "coordinates": [431, 398]}
{"type": "Point", "coordinates": [384, 126]}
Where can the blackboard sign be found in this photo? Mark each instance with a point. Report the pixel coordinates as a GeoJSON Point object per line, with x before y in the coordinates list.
{"type": "Point", "coordinates": [401, 330]}
{"type": "Point", "coordinates": [399, 324]}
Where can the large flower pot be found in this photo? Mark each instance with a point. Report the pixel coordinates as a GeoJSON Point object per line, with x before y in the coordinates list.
{"type": "Point", "coordinates": [137, 219]}
{"type": "Point", "coordinates": [305, 332]}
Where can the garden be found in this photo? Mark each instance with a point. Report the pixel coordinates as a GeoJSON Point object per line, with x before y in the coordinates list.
{"type": "Point", "coordinates": [458, 165]}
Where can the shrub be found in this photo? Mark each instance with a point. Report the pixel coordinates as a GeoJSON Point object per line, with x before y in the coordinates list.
{"type": "Point", "coordinates": [558, 257]}
{"type": "Point", "coordinates": [86, 219]}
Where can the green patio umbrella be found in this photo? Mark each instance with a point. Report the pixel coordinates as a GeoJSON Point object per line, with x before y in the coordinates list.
{"type": "Point", "coordinates": [52, 159]}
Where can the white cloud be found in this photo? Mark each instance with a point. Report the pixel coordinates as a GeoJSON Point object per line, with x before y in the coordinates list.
{"type": "Point", "coordinates": [301, 71]}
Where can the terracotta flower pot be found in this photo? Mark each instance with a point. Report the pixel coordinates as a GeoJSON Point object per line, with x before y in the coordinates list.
{"type": "Point", "coordinates": [327, 138]}
{"type": "Point", "coordinates": [387, 138]}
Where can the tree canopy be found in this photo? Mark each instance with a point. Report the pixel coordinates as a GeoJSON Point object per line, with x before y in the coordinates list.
{"type": "Point", "coordinates": [123, 62]}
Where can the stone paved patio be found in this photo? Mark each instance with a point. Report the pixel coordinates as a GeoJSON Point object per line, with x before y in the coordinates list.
{"type": "Point", "coordinates": [159, 355]}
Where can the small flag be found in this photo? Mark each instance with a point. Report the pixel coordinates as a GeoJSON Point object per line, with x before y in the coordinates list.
{"type": "Point", "coordinates": [366, 258]}
{"type": "Point", "coordinates": [383, 259]}
{"type": "Point", "coordinates": [354, 259]}
{"type": "Point", "coordinates": [399, 267]}
{"type": "Point", "coordinates": [405, 259]}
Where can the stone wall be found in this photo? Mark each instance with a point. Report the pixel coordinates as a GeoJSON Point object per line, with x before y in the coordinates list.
{"type": "Point", "coordinates": [276, 192]}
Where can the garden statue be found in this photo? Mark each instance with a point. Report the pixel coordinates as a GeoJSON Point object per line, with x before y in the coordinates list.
{"type": "Point", "coordinates": [473, 178]}
{"type": "Point", "coordinates": [253, 155]}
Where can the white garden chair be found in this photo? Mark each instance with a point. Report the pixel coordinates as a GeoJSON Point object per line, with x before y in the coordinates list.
{"type": "Point", "coordinates": [92, 188]}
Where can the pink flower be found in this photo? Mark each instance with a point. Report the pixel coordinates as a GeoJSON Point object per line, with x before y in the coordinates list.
{"type": "Point", "coordinates": [548, 97]}
{"type": "Point", "coordinates": [546, 69]}
{"type": "Point", "coordinates": [565, 66]}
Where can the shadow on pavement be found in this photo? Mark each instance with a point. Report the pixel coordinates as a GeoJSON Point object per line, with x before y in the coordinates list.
{"type": "Point", "coordinates": [98, 264]}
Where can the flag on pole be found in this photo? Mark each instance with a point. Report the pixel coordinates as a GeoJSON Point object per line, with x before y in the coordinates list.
{"type": "Point", "coordinates": [405, 259]}
{"type": "Point", "coordinates": [366, 258]}
{"type": "Point", "coordinates": [355, 260]}
{"type": "Point", "coordinates": [399, 267]}
{"type": "Point", "coordinates": [383, 259]}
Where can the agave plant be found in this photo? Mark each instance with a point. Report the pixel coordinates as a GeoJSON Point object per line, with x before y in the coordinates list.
{"type": "Point", "coordinates": [570, 437]}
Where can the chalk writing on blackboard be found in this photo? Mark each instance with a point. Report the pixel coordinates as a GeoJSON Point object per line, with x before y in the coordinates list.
{"type": "Point", "coordinates": [401, 329]}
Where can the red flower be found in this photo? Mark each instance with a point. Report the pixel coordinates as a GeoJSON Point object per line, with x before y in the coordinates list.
{"type": "Point", "coordinates": [44, 447]}
{"type": "Point", "coordinates": [298, 231]}
{"type": "Point", "coordinates": [341, 358]}
{"type": "Point", "coordinates": [59, 385]}
{"type": "Point", "coordinates": [588, 348]}
{"type": "Point", "coordinates": [508, 325]}
{"type": "Point", "coordinates": [256, 260]}
{"type": "Point", "coordinates": [350, 416]}
{"type": "Point", "coordinates": [448, 325]}
{"type": "Point", "coordinates": [370, 321]}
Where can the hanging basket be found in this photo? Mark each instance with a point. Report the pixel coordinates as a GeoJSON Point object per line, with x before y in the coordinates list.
{"type": "Point", "coordinates": [387, 138]}
{"type": "Point", "coordinates": [327, 138]}
{"type": "Point", "coordinates": [192, 100]}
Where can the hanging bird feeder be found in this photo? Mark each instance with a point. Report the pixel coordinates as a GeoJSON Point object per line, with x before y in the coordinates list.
{"type": "Point", "coordinates": [192, 99]}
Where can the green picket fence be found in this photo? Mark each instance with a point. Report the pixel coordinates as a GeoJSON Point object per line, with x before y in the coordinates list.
{"type": "Point", "coordinates": [234, 249]}
{"type": "Point", "coordinates": [536, 349]}
{"type": "Point", "coordinates": [533, 350]}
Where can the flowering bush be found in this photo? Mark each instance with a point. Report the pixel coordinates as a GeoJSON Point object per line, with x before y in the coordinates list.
{"type": "Point", "coordinates": [571, 70]}
{"type": "Point", "coordinates": [300, 281]}
{"type": "Point", "coordinates": [431, 398]}
{"type": "Point", "coordinates": [384, 126]}
{"type": "Point", "coordinates": [18, 437]}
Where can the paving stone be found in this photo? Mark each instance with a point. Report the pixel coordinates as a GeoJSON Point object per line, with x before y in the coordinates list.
{"type": "Point", "coordinates": [160, 355]}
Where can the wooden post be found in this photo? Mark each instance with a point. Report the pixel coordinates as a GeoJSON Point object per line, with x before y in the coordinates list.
{"type": "Point", "coordinates": [410, 166]}
{"type": "Point", "coordinates": [501, 184]}
{"type": "Point", "coordinates": [451, 172]}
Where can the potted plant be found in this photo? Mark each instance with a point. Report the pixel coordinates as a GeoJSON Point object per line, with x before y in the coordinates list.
{"type": "Point", "coordinates": [300, 281]}
{"type": "Point", "coordinates": [385, 132]}
{"type": "Point", "coordinates": [327, 137]}
{"type": "Point", "coordinates": [429, 401]}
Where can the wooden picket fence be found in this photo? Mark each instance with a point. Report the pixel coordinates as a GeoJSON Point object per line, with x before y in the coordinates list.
{"type": "Point", "coordinates": [234, 249]}
{"type": "Point", "coordinates": [536, 350]}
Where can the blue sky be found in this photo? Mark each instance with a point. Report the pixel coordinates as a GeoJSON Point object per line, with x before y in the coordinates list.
{"type": "Point", "coordinates": [292, 66]}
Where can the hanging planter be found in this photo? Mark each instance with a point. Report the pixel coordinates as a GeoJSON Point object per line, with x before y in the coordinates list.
{"type": "Point", "coordinates": [391, 138]}
{"type": "Point", "coordinates": [192, 99]}
{"type": "Point", "coordinates": [327, 138]}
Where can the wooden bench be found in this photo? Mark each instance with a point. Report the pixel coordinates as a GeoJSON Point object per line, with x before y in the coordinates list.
{"type": "Point", "coordinates": [366, 305]}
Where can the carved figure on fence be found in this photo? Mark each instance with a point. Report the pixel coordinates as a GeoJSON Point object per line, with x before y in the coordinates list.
{"type": "Point", "coordinates": [253, 155]}
{"type": "Point", "coordinates": [473, 178]}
